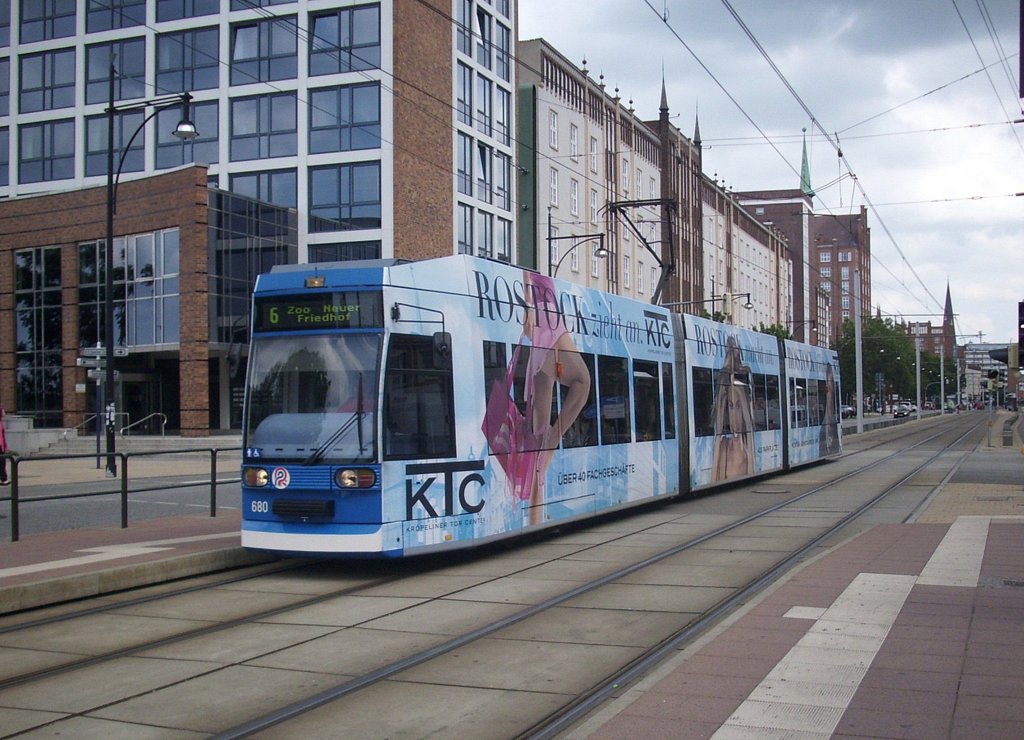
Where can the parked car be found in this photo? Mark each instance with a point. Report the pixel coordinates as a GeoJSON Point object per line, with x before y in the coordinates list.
{"type": "Point", "coordinates": [847, 411]}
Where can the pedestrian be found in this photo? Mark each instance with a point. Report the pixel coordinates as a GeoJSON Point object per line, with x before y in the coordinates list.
{"type": "Point", "coordinates": [3, 450]}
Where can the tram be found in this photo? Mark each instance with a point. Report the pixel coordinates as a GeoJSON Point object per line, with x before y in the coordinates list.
{"type": "Point", "coordinates": [397, 408]}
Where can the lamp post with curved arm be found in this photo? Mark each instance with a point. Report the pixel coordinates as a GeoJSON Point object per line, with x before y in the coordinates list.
{"type": "Point", "coordinates": [185, 130]}
{"type": "Point", "coordinates": [600, 252]}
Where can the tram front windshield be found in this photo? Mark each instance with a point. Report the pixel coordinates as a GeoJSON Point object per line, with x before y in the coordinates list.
{"type": "Point", "coordinates": [313, 398]}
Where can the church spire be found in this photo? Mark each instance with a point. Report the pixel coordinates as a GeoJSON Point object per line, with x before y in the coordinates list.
{"type": "Point", "coordinates": [805, 172]}
{"type": "Point", "coordinates": [696, 128]}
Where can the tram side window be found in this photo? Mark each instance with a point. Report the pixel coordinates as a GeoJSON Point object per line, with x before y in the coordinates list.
{"type": "Point", "coordinates": [813, 411]}
{"type": "Point", "coordinates": [668, 398]}
{"type": "Point", "coordinates": [613, 387]}
{"type": "Point", "coordinates": [703, 402]}
{"type": "Point", "coordinates": [798, 402]}
{"type": "Point", "coordinates": [583, 431]}
{"type": "Point", "coordinates": [647, 403]}
{"type": "Point", "coordinates": [773, 408]}
{"type": "Point", "coordinates": [418, 410]}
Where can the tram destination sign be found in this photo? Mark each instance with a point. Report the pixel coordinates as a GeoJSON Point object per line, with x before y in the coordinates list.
{"type": "Point", "coordinates": [321, 310]}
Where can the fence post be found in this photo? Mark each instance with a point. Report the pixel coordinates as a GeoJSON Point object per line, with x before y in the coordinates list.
{"type": "Point", "coordinates": [124, 489]}
{"type": "Point", "coordinates": [213, 481]}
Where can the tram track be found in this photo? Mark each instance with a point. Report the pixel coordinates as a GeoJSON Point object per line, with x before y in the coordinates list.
{"type": "Point", "coordinates": [390, 671]}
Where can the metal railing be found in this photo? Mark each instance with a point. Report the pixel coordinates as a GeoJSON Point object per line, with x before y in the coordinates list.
{"type": "Point", "coordinates": [75, 428]}
{"type": "Point", "coordinates": [15, 462]}
{"type": "Point", "coordinates": [163, 422]}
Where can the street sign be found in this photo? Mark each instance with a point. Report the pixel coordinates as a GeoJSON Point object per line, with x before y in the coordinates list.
{"type": "Point", "coordinates": [97, 374]}
{"type": "Point", "coordinates": [91, 362]}
{"type": "Point", "coordinates": [102, 351]}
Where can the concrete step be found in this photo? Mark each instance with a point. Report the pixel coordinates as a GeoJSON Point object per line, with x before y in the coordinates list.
{"type": "Point", "coordinates": [86, 445]}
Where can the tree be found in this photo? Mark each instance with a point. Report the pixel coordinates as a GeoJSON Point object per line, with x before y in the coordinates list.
{"type": "Point", "coordinates": [776, 330]}
{"type": "Point", "coordinates": [887, 350]}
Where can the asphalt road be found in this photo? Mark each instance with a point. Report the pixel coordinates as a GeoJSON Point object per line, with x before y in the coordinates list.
{"type": "Point", "coordinates": [61, 506]}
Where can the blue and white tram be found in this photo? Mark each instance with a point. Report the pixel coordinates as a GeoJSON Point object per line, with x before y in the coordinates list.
{"type": "Point", "coordinates": [398, 408]}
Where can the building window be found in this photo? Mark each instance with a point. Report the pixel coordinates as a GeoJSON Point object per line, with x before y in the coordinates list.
{"type": "Point", "coordinates": [5, 87]}
{"type": "Point", "coordinates": [574, 142]}
{"type": "Point", "coordinates": [502, 7]}
{"type": "Point", "coordinates": [574, 197]}
{"type": "Point", "coordinates": [826, 272]}
{"type": "Point", "coordinates": [263, 126]}
{"type": "Point", "coordinates": [503, 181]}
{"type": "Point", "coordinates": [553, 129]}
{"type": "Point", "coordinates": [625, 175]}
{"type": "Point", "coordinates": [188, 60]}
{"type": "Point", "coordinates": [279, 187]}
{"type": "Point", "coordinates": [264, 50]}
{"type": "Point", "coordinates": [593, 154]}
{"type": "Point", "coordinates": [5, 156]}
{"type": "Point", "coordinates": [344, 251]}
{"type": "Point", "coordinates": [639, 277]}
{"type": "Point", "coordinates": [174, 152]}
{"type": "Point", "coordinates": [484, 234]}
{"type": "Point", "coordinates": [503, 240]}
{"type": "Point", "coordinates": [483, 38]}
{"type": "Point", "coordinates": [464, 95]}
{"type": "Point", "coordinates": [844, 273]}
{"type": "Point", "coordinates": [343, 197]}
{"type": "Point", "coordinates": [104, 15]}
{"type": "Point", "coordinates": [345, 118]}
{"type": "Point", "coordinates": [553, 187]}
{"type": "Point", "coordinates": [845, 256]}
{"type": "Point", "coordinates": [47, 80]}
{"type": "Point", "coordinates": [502, 52]}
{"type": "Point", "coordinates": [130, 77]}
{"type": "Point", "coordinates": [484, 173]}
{"type": "Point", "coordinates": [463, 29]}
{"type": "Point", "coordinates": [47, 151]}
{"type": "Point", "coordinates": [824, 256]}
{"type": "Point", "coordinates": [593, 205]}
{"type": "Point", "coordinates": [5, 23]}
{"type": "Point", "coordinates": [42, 20]}
{"type": "Point", "coordinates": [484, 101]}
{"type": "Point", "coordinates": [38, 335]}
{"type": "Point", "coordinates": [126, 123]}
{"type": "Point", "coordinates": [345, 40]}
{"type": "Point", "coordinates": [625, 271]}
{"type": "Point", "coordinates": [465, 229]}
{"type": "Point", "coordinates": [502, 116]}
{"type": "Point", "coordinates": [464, 177]}
{"type": "Point", "coordinates": [172, 10]}
{"type": "Point", "coordinates": [595, 261]}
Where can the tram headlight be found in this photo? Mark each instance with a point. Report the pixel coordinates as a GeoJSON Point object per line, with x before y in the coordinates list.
{"type": "Point", "coordinates": [255, 477]}
{"type": "Point", "coordinates": [355, 478]}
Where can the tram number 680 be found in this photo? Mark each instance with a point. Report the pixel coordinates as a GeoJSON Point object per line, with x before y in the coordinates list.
{"type": "Point", "coordinates": [259, 506]}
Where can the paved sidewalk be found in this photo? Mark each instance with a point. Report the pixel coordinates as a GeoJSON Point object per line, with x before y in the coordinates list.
{"type": "Point", "coordinates": [906, 631]}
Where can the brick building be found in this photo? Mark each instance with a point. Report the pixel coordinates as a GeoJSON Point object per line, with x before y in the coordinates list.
{"type": "Point", "coordinates": [384, 128]}
{"type": "Point", "coordinates": [186, 257]}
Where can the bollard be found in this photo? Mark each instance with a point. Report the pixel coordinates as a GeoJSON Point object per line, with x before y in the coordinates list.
{"type": "Point", "coordinates": [213, 482]}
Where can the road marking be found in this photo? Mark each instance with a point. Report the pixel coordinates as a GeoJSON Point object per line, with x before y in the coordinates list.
{"type": "Point", "coordinates": [111, 552]}
{"type": "Point", "coordinates": [808, 691]}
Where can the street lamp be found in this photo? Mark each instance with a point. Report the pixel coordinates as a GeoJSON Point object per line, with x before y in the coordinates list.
{"type": "Point", "coordinates": [185, 130]}
{"type": "Point", "coordinates": [725, 298]}
{"type": "Point", "coordinates": [600, 252]}
{"type": "Point", "coordinates": [578, 239]}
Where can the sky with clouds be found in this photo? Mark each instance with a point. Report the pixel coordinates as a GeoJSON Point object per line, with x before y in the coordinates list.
{"type": "Point", "coordinates": [920, 94]}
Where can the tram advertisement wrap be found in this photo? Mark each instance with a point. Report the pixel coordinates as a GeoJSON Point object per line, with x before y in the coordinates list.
{"type": "Point", "coordinates": [735, 401]}
{"type": "Point", "coordinates": [557, 398]}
